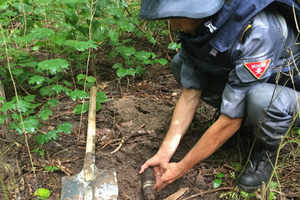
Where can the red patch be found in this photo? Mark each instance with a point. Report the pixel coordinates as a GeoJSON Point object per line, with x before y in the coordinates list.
{"type": "Point", "coordinates": [257, 68]}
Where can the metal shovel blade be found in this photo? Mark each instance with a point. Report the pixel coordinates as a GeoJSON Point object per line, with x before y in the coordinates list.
{"type": "Point", "coordinates": [103, 187]}
{"type": "Point", "coordinates": [91, 183]}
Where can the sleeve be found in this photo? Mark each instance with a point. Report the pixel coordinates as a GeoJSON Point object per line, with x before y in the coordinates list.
{"type": "Point", "coordinates": [254, 61]}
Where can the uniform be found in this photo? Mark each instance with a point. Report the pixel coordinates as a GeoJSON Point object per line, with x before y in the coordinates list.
{"type": "Point", "coordinates": [246, 73]}
{"type": "Point", "coordinates": [242, 80]}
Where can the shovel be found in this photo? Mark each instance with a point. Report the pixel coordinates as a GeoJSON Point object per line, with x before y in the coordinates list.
{"type": "Point", "coordinates": [91, 183]}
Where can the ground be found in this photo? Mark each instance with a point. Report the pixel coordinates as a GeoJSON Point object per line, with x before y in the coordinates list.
{"type": "Point", "coordinates": [130, 129]}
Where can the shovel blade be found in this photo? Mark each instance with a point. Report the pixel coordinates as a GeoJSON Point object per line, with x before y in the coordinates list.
{"type": "Point", "coordinates": [104, 186]}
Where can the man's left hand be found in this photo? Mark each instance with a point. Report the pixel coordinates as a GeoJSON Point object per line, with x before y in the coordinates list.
{"type": "Point", "coordinates": [166, 174]}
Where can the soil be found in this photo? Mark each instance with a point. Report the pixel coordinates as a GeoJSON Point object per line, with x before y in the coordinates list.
{"type": "Point", "coordinates": [130, 129]}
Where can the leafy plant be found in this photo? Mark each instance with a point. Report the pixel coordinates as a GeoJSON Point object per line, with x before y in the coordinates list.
{"type": "Point", "coordinates": [218, 180]}
{"type": "Point", "coordinates": [42, 193]}
{"type": "Point", "coordinates": [245, 195]}
{"type": "Point", "coordinates": [51, 169]}
{"type": "Point", "coordinates": [48, 49]}
{"type": "Point", "coordinates": [40, 151]}
{"type": "Point", "coordinates": [82, 108]}
{"type": "Point", "coordinates": [53, 134]}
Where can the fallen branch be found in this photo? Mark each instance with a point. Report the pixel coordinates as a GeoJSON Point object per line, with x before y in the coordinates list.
{"type": "Point", "coordinates": [177, 194]}
{"type": "Point", "coordinates": [207, 192]}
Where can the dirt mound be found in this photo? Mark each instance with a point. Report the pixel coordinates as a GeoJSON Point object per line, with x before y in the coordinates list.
{"type": "Point", "coordinates": [133, 113]}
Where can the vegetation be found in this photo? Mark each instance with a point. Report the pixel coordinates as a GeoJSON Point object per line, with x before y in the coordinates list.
{"type": "Point", "coordinates": [48, 52]}
{"type": "Point", "coordinates": [48, 46]}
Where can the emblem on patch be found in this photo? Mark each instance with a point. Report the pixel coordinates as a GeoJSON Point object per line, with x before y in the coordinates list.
{"type": "Point", "coordinates": [257, 69]}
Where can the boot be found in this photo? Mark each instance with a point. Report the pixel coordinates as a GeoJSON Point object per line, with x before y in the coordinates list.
{"type": "Point", "coordinates": [258, 169]}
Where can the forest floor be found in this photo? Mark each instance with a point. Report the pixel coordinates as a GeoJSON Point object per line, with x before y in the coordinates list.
{"type": "Point", "coordinates": [130, 129]}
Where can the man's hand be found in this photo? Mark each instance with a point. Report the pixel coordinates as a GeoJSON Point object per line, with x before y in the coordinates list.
{"type": "Point", "coordinates": [167, 174]}
{"type": "Point", "coordinates": [156, 161]}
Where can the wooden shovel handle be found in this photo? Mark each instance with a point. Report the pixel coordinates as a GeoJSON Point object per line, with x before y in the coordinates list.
{"type": "Point", "coordinates": [89, 160]}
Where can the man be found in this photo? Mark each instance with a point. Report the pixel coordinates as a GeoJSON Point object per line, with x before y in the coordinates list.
{"type": "Point", "coordinates": [231, 56]}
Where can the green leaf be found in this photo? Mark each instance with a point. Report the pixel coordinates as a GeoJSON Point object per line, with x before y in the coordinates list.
{"type": "Point", "coordinates": [17, 71]}
{"type": "Point", "coordinates": [30, 124]}
{"type": "Point", "coordinates": [52, 102]}
{"type": "Point", "coordinates": [151, 39]}
{"type": "Point", "coordinates": [2, 98]}
{"type": "Point", "coordinates": [142, 55]}
{"type": "Point", "coordinates": [125, 51]}
{"type": "Point", "coordinates": [53, 65]}
{"type": "Point", "coordinates": [51, 135]}
{"type": "Point", "coordinates": [65, 127]}
{"type": "Point", "coordinates": [3, 6]}
{"type": "Point", "coordinates": [40, 139]}
{"type": "Point", "coordinates": [117, 65]}
{"type": "Point", "coordinates": [58, 88]}
{"type": "Point", "coordinates": [48, 168]}
{"type": "Point", "coordinates": [10, 105]}
{"type": "Point", "coordinates": [71, 16]}
{"type": "Point", "coordinates": [220, 175]}
{"type": "Point", "coordinates": [272, 195]}
{"type": "Point", "coordinates": [121, 72]}
{"type": "Point", "coordinates": [78, 94]}
{"type": "Point", "coordinates": [247, 195]}
{"type": "Point", "coordinates": [30, 98]}
{"type": "Point", "coordinates": [36, 34]}
{"type": "Point", "coordinates": [161, 61]}
{"type": "Point", "coordinates": [172, 46]}
{"type": "Point", "coordinates": [59, 37]}
{"type": "Point", "coordinates": [42, 33]}
{"type": "Point", "coordinates": [81, 45]}
{"type": "Point", "coordinates": [51, 169]}
{"type": "Point", "coordinates": [23, 105]}
{"type": "Point", "coordinates": [217, 183]}
{"type": "Point", "coordinates": [71, 3]}
{"type": "Point", "coordinates": [40, 151]}
{"type": "Point", "coordinates": [67, 84]}
{"type": "Point", "coordinates": [77, 109]}
{"type": "Point", "coordinates": [273, 185]}
{"type": "Point", "coordinates": [45, 113]}
{"type": "Point", "coordinates": [22, 7]}
{"type": "Point", "coordinates": [80, 77]}
{"type": "Point", "coordinates": [101, 97]}
{"type": "Point", "coordinates": [46, 91]}
{"type": "Point", "coordinates": [131, 72]}
{"type": "Point", "coordinates": [91, 79]}
{"type": "Point", "coordinates": [98, 106]}
{"type": "Point", "coordinates": [124, 25]}
{"type": "Point", "coordinates": [35, 48]}
{"type": "Point", "coordinates": [113, 35]}
{"type": "Point", "coordinates": [3, 117]}
{"type": "Point", "coordinates": [42, 192]}
{"type": "Point", "coordinates": [39, 80]}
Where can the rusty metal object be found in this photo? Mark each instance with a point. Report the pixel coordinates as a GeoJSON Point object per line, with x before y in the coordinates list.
{"type": "Point", "coordinates": [148, 181]}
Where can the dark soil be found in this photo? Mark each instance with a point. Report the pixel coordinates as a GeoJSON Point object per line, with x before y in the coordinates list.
{"type": "Point", "coordinates": [130, 129]}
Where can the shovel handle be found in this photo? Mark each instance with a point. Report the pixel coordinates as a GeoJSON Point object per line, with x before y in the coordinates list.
{"type": "Point", "coordinates": [89, 160]}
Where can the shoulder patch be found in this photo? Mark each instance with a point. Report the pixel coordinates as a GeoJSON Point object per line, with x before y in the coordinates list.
{"type": "Point", "coordinates": [257, 69]}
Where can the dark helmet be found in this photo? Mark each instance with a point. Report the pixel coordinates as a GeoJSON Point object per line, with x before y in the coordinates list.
{"type": "Point", "coordinates": [161, 9]}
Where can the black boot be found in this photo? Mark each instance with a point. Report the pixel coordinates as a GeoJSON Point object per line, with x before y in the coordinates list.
{"type": "Point", "coordinates": [258, 169]}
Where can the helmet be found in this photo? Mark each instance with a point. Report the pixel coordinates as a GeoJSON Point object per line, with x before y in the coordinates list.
{"type": "Point", "coordinates": [160, 9]}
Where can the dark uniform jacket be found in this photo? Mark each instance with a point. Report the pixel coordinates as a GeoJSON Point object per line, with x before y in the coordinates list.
{"type": "Point", "coordinates": [258, 53]}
